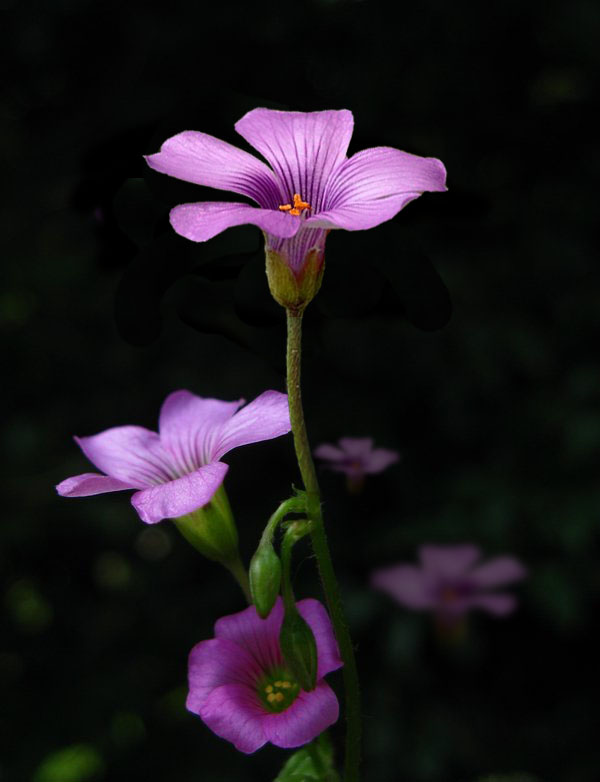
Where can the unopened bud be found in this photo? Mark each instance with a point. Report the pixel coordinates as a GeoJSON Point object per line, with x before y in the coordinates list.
{"type": "Point", "coordinates": [265, 579]}
{"type": "Point", "coordinates": [299, 649]}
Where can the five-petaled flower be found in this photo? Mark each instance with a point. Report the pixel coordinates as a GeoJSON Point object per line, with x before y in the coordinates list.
{"type": "Point", "coordinates": [179, 469]}
{"type": "Point", "coordinates": [449, 582]}
{"type": "Point", "coordinates": [239, 685]}
{"type": "Point", "coordinates": [356, 457]}
{"type": "Point", "coordinates": [310, 187]}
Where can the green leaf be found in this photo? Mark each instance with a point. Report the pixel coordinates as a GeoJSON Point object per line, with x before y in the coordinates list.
{"type": "Point", "coordinates": [77, 763]}
{"type": "Point", "coordinates": [313, 763]}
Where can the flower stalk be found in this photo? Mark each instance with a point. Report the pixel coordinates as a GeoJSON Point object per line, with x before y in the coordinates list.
{"type": "Point", "coordinates": [321, 546]}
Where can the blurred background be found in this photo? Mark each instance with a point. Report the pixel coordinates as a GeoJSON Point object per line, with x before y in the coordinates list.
{"type": "Point", "coordinates": [463, 333]}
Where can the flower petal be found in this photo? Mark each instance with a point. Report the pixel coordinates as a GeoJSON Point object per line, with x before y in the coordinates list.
{"type": "Point", "coordinates": [407, 584]}
{"type": "Point", "coordinates": [379, 459]}
{"type": "Point", "coordinates": [374, 185]}
{"type": "Point", "coordinates": [131, 454]}
{"type": "Point", "coordinates": [180, 496]}
{"type": "Point", "coordinates": [308, 716]}
{"type": "Point", "coordinates": [205, 160]}
{"type": "Point", "coordinates": [356, 447]}
{"type": "Point", "coordinates": [263, 419]}
{"type": "Point", "coordinates": [234, 712]}
{"type": "Point", "coordinates": [330, 453]}
{"type": "Point", "coordinates": [448, 561]}
{"type": "Point", "coordinates": [497, 572]}
{"type": "Point", "coordinates": [189, 426]}
{"type": "Point", "coordinates": [303, 149]}
{"type": "Point", "coordinates": [214, 663]}
{"type": "Point", "coordinates": [201, 221]}
{"type": "Point", "coordinates": [90, 483]}
{"type": "Point", "coordinates": [499, 605]}
{"type": "Point", "coordinates": [317, 618]}
{"type": "Point", "coordinates": [259, 636]}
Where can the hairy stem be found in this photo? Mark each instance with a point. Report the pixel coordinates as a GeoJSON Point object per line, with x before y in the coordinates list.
{"type": "Point", "coordinates": [321, 547]}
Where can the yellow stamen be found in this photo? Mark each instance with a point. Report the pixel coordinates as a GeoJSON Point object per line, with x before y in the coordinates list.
{"type": "Point", "coordinates": [272, 696]}
{"type": "Point", "coordinates": [269, 688]}
{"type": "Point", "coordinates": [278, 683]}
{"type": "Point", "coordinates": [286, 685]}
{"type": "Point", "coordinates": [297, 208]}
{"type": "Point", "coordinates": [299, 203]}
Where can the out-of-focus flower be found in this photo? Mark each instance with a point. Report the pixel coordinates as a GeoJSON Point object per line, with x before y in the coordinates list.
{"type": "Point", "coordinates": [356, 457]}
{"type": "Point", "coordinates": [240, 687]}
{"type": "Point", "coordinates": [177, 470]}
{"type": "Point", "coordinates": [450, 582]}
{"type": "Point", "coordinates": [310, 188]}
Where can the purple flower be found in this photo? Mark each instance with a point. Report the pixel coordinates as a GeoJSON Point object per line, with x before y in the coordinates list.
{"type": "Point", "coordinates": [178, 470]}
{"type": "Point", "coordinates": [356, 457]}
{"type": "Point", "coordinates": [309, 188]}
{"type": "Point", "coordinates": [241, 689]}
{"type": "Point", "coordinates": [449, 582]}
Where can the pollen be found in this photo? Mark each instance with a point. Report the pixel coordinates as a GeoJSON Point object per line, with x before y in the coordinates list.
{"type": "Point", "coordinates": [275, 697]}
{"type": "Point", "coordinates": [298, 206]}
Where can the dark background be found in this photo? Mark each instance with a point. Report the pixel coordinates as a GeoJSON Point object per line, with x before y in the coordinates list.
{"type": "Point", "coordinates": [495, 407]}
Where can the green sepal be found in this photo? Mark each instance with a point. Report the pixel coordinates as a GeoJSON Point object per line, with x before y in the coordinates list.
{"type": "Point", "coordinates": [299, 649]}
{"type": "Point", "coordinates": [265, 579]}
{"type": "Point", "coordinates": [290, 289]}
{"type": "Point", "coordinates": [211, 529]}
{"type": "Point", "coordinates": [313, 763]}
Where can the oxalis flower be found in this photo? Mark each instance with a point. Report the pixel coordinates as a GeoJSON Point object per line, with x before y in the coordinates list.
{"type": "Point", "coordinates": [310, 188]}
{"type": "Point", "coordinates": [356, 457]}
{"type": "Point", "coordinates": [239, 685]}
{"type": "Point", "coordinates": [179, 469]}
{"type": "Point", "coordinates": [450, 581]}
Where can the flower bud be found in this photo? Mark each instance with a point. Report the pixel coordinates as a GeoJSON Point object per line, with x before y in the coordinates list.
{"type": "Point", "coordinates": [211, 529]}
{"type": "Point", "coordinates": [265, 579]}
{"type": "Point", "coordinates": [299, 649]}
{"type": "Point", "coordinates": [294, 290]}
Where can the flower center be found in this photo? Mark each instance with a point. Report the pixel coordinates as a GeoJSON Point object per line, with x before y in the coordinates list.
{"type": "Point", "coordinates": [278, 691]}
{"type": "Point", "coordinates": [297, 208]}
{"type": "Point", "coordinates": [449, 594]}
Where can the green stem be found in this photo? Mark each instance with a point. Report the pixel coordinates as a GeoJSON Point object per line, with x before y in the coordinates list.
{"type": "Point", "coordinates": [321, 547]}
{"type": "Point", "coordinates": [239, 572]}
{"type": "Point", "coordinates": [291, 505]}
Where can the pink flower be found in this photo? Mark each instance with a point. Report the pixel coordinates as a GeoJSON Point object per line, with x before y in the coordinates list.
{"type": "Point", "coordinates": [240, 688]}
{"type": "Point", "coordinates": [356, 457]}
{"type": "Point", "coordinates": [177, 470]}
{"type": "Point", "coordinates": [450, 583]}
{"type": "Point", "coordinates": [309, 187]}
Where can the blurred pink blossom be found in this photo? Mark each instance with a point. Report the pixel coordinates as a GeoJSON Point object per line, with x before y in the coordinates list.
{"type": "Point", "coordinates": [356, 457]}
{"type": "Point", "coordinates": [450, 581]}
